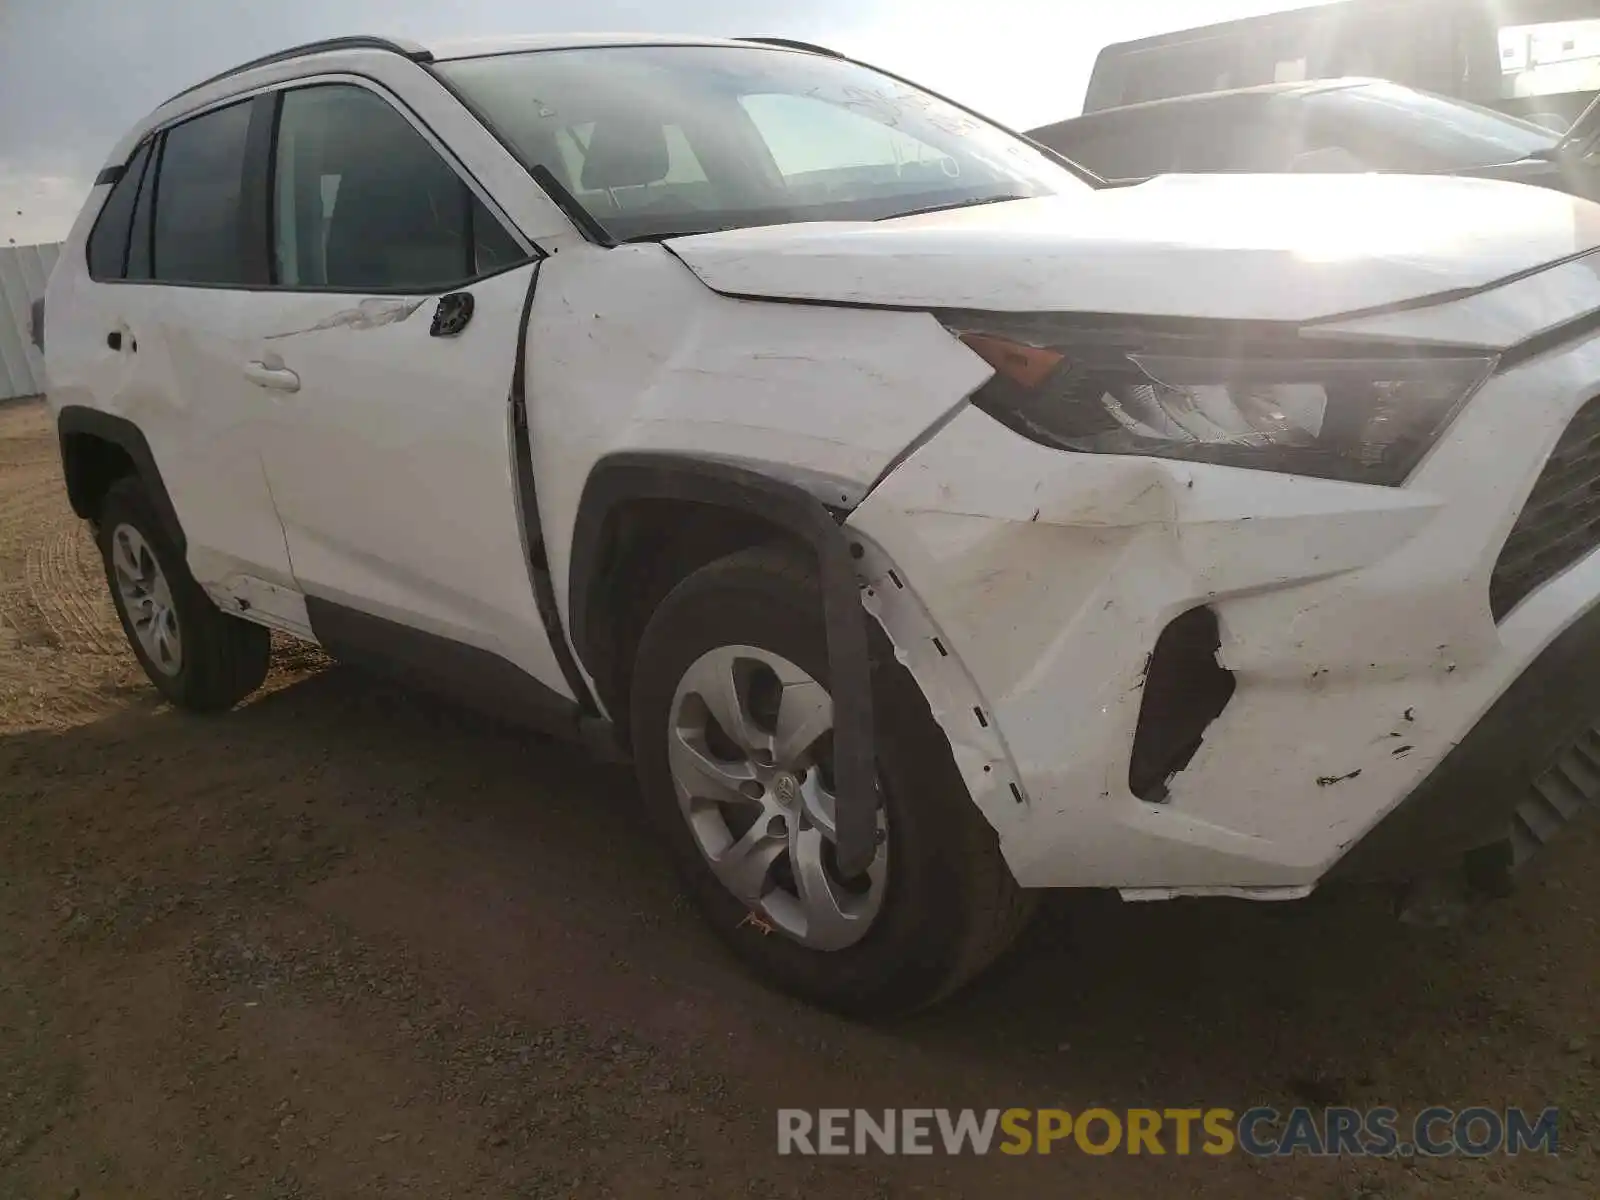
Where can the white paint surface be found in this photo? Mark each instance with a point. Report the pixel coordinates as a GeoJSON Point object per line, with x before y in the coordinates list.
{"type": "Point", "coordinates": [386, 477]}
{"type": "Point", "coordinates": [1267, 247]}
{"type": "Point", "coordinates": [1342, 609]}
{"type": "Point", "coordinates": [24, 271]}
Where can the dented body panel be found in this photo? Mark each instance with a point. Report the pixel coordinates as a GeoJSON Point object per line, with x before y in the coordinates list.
{"type": "Point", "coordinates": [391, 464]}
{"type": "Point", "coordinates": [335, 449]}
{"type": "Point", "coordinates": [1354, 619]}
{"type": "Point", "coordinates": [628, 351]}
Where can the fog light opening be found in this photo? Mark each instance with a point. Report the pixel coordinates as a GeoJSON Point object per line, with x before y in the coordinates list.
{"type": "Point", "coordinates": [1185, 690]}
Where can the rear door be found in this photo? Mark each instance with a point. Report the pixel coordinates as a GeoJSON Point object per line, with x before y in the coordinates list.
{"type": "Point", "coordinates": [385, 347]}
{"type": "Point", "coordinates": [173, 250]}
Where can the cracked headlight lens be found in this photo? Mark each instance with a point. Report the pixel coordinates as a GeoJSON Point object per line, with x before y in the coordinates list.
{"type": "Point", "coordinates": [1364, 414]}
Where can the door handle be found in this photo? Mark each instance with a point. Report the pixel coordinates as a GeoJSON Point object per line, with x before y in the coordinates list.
{"type": "Point", "coordinates": [278, 379]}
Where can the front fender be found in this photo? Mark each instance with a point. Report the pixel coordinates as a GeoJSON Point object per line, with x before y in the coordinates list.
{"type": "Point", "coordinates": [628, 352]}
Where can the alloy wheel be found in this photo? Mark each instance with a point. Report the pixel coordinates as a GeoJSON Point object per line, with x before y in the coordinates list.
{"type": "Point", "coordinates": [750, 750]}
{"type": "Point", "coordinates": [146, 599]}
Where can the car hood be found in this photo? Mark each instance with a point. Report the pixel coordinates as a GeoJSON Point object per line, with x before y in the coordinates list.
{"type": "Point", "coordinates": [1241, 247]}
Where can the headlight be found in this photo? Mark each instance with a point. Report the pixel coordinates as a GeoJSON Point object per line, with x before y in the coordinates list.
{"type": "Point", "coordinates": [1362, 414]}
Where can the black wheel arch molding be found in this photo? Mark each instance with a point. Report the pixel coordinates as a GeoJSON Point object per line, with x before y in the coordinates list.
{"type": "Point", "coordinates": [632, 476]}
{"type": "Point", "coordinates": [79, 421]}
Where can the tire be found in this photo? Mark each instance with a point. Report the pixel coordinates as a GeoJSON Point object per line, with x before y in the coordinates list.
{"type": "Point", "coordinates": [214, 660]}
{"type": "Point", "coordinates": [947, 905]}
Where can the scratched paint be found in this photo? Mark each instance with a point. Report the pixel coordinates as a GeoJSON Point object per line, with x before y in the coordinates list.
{"type": "Point", "coordinates": [369, 314]}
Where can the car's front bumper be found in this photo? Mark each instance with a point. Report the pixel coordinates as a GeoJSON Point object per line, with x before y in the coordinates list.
{"type": "Point", "coordinates": [1030, 588]}
{"type": "Point", "coordinates": [1530, 765]}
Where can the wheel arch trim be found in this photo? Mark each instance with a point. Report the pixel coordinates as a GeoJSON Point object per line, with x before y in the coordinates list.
{"type": "Point", "coordinates": [634, 476]}
{"type": "Point", "coordinates": [79, 420]}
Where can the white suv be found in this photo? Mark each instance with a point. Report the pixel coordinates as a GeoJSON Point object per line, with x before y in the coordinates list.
{"type": "Point", "coordinates": [929, 522]}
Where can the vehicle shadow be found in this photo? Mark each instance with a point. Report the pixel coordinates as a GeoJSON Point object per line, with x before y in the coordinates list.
{"type": "Point", "coordinates": [524, 877]}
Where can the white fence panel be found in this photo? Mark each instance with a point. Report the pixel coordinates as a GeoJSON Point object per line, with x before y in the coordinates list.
{"type": "Point", "coordinates": [23, 273]}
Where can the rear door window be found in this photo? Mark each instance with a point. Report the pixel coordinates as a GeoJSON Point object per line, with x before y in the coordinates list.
{"type": "Point", "coordinates": [141, 237]}
{"type": "Point", "coordinates": [199, 225]}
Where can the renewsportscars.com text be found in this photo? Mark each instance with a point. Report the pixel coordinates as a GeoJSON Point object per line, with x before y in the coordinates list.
{"type": "Point", "coordinates": [1259, 1132]}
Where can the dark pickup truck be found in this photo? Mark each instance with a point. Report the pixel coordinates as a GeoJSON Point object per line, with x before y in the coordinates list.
{"type": "Point", "coordinates": [1327, 126]}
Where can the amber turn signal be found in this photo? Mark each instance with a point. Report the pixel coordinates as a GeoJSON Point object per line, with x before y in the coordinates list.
{"type": "Point", "coordinates": [1026, 365]}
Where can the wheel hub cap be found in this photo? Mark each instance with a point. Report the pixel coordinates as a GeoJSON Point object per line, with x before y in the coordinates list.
{"type": "Point", "coordinates": [750, 750]}
{"type": "Point", "coordinates": [146, 599]}
{"type": "Point", "coordinates": [786, 789]}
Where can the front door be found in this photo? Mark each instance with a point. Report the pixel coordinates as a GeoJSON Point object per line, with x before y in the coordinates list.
{"type": "Point", "coordinates": [386, 352]}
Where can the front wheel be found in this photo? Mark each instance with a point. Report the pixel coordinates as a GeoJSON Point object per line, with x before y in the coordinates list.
{"type": "Point", "coordinates": [733, 740]}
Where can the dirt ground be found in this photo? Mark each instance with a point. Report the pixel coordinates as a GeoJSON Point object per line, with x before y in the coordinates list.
{"type": "Point", "coordinates": [347, 942]}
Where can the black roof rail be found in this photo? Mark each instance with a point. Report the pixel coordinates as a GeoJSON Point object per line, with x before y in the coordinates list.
{"type": "Point", "coordinates": [411, 50]}
{"type": "Point", "coordinates": [791, 44]}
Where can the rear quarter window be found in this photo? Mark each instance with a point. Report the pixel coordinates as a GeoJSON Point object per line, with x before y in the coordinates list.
{"type": "Point", "coordinates": [108, 242]}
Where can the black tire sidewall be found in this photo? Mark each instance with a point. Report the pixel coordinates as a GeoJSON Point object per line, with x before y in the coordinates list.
{"type": "Point", "coordinates": [913, 948]}
{"type": "Point", "coordinates": [204, 638]}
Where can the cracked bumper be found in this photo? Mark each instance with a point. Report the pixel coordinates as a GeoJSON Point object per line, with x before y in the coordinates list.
{"type": "Point", "coordinates": [1029, 588]}
{"type": "Point", "coordinates": [1529, 766]}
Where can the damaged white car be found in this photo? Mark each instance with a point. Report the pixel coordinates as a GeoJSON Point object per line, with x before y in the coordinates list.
{"type": "Point", "coordinates": [928, 522]}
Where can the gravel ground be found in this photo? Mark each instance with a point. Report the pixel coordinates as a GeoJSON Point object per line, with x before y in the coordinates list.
{"type": "Point", "coordinates": [347, 942]}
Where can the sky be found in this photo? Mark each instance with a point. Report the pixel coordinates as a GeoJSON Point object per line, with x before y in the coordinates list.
{"type": "Point", "coordinates": [76, 74]}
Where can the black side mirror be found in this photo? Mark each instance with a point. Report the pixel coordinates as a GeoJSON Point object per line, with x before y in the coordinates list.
{"type": "Point", "coordinates": [453, 314]}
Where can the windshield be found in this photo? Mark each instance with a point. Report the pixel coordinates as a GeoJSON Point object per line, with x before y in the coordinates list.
{"type": "Point", "coordinates": [1453, 133]}
{"type": "Point", "coordinates": [658, 141]}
